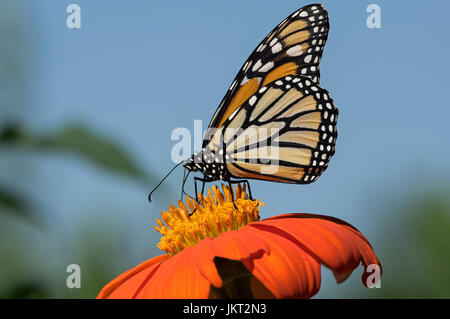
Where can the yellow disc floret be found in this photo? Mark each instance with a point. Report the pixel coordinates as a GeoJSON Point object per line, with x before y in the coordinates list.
{"type": "Point", "coordinates": [212, 215]}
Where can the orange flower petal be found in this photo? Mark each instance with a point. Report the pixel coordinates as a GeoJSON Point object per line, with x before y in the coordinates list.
{"type": "Point", "coordinates": [190, 273]}
{"type": "Point", "coordinates": [336, 244]}
{"type": "Point", "coordinates": [126, 284]}
{"type": "Point", "coordinates": [287, 271]}
{"type": "Point", "coordinates": [284, 253]}
{"type": "Point", "coordinates": [187, 274]}
{"type": "Point", "coordinates": [239, 244]}
{"type": "Point", "coordinates": [234, 245]}
{"type": "Point", "coordinates": [178, 277]}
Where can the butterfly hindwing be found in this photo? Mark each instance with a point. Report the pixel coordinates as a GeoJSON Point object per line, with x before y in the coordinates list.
{"type": "Point", "coordinates": [286, 132]}
{"type": "Point", "coordinates": [294, 47]}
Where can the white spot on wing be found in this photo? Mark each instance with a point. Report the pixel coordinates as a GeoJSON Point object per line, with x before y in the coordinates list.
{"type": "Point", "coordinates": [267, 67]}
{"type": "Point", "coordinates": [257, 65]}
{"type": "Point", "coordinates": [246, 66]}
{"type": "Point", "coordinates": [272, 43]}
{"type": "Point", "coordinates": [295, 50]}
{"type": "Point", "coordinates": [277, 48]}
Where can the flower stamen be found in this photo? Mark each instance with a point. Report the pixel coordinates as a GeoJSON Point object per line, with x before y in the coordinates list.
{"type": "Point", "coordinates": [213, 214]}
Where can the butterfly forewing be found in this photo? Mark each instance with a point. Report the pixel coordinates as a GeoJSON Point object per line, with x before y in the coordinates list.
{"type": "Point", "coordinates": [294, 47]}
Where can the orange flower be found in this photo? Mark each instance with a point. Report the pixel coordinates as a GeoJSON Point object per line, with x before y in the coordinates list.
{"type": "Point", "coordinates": [222, 250]}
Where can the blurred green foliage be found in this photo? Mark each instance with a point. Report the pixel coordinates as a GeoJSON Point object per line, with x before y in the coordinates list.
{"type": "Point", "coordinates": [415, 247]}
{"type": "Point", "coordinates": [80, 141]}
{"type": "Point", "coordinates": [13, 203]}
{"type": "Point", "coordinates": [33, 254]}
{"type": "Point", "coordinates": [34, 263]}
{"type": "Point", "coordinates": [432, 230]}
{"type": "Point", "coordinates": [99, 252]}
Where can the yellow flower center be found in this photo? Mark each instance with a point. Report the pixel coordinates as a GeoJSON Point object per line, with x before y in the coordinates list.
{"type": "Point", "coordinates": [212, 215]}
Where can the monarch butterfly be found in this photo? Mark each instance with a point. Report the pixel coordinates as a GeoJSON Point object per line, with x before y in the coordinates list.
{"type": "Point", "coordinates": [275, 122]}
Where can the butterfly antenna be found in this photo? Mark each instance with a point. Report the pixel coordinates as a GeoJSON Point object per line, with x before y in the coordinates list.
{"type": "Point", "coordinates": [150, 195]}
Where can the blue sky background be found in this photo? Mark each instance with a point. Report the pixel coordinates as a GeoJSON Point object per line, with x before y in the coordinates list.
{"type": "Point", "coordinates": [138, 69]}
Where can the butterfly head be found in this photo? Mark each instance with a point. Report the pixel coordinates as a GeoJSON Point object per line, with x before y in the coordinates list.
{"type": "Point", "coordinates": [209, 164]}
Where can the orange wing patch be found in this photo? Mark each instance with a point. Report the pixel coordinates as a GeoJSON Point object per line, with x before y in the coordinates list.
{"type": "Point", "coordinates": [242, 95]}
{"type": "Point", "coordinates": [296, 38]}
{"type": "Point", "coordinates": [286, 69]}
{"type": "Point", "coordinates": [292, 27]}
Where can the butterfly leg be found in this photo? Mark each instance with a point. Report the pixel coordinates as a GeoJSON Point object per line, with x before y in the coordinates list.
{"type": "Point", "coordinates": [204, 181]}
{"type": "Point", "coordinates": [183, 192]}
{"type": "Point", "coordinates": [232, 193]}
{"type": "Point", "coordinates": [195, 189]}
{"type": "Point", "coordinates": [248, 186]}
{"type": "Point", "coordinates": [184, 182]}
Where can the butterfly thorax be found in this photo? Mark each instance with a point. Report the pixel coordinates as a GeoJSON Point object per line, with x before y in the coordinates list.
{"type": "Point", "coordinates": [209, 163]}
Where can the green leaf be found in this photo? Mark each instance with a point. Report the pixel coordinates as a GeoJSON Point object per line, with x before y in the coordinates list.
{"type": "Point", "coordinates": [14, 134]}
{"type": "Point", "coordinates": [79, 140]}
{"type": "Point", "coordinates": [27, 290]}
{"type": "Point", "coordinates": [100, 150]}
{"type": "Point", "coordinates": [13, 203]}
